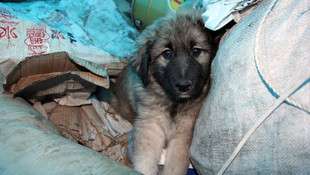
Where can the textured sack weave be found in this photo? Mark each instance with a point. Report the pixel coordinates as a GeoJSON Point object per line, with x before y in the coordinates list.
{"type": "Point", "coordinates": [261, 59]}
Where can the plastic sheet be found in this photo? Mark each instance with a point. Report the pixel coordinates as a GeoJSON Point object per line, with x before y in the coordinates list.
{"type": "Point", "coordinates": [220, 12]}
{"type": "Point", "coordinates": [93, 30]}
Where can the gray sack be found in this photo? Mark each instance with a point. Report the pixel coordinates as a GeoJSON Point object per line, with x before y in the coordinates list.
{"type": "Point", "coordinates": [262, 61]}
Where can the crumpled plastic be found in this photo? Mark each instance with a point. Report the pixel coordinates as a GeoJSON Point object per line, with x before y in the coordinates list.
{"type": "Point", "coordinates": [93, 30]}
{"type": "Point", "coordinates": [220, 12]}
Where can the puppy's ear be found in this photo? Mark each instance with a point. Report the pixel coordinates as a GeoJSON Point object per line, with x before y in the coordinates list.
{"type": "Point", "coordinates": [143, 61]}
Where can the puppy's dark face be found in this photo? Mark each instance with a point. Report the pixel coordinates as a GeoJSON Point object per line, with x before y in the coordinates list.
{"type": "Point", "coordinates": [178, 52]}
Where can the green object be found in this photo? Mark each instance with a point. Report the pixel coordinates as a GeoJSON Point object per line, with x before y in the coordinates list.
{"type": "Point", "coordinates": [145, 12]}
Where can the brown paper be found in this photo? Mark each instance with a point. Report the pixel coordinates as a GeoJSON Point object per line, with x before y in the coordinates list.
{"type": "Point", "coordinates": [39, 77]}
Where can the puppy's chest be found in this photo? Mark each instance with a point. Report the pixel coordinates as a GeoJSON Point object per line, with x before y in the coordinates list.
{"type": "Point", "coordinates": [181, 120]}
{"type": "Point", "coordinates": [176, 111]}
{"type": "Point", "coordinates": [180, 114]}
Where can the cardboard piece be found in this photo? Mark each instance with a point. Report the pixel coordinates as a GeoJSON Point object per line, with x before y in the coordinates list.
{"type": "Point", "coordinates": [93, 127]}
{"type": "Point", "coordinates": [60, 87]}
{"type": "Point", "coordinates": [58, 74]}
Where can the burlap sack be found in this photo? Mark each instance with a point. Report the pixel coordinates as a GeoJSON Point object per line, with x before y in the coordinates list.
{"type": "Point", "coordinates": [247, 124]}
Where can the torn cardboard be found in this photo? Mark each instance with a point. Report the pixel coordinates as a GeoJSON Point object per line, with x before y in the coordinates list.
{"type": "Point", "coordinates": [58, 74]}
{"type": "Point", "coordinates": [60, 86]}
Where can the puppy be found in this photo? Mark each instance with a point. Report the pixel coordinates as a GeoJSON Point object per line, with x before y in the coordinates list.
{"type": "Point", "coordinates": [161, 91]}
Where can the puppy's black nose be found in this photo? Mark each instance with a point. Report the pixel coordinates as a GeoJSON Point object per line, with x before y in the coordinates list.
{"type": "Point", "coordinates": [183, 85]}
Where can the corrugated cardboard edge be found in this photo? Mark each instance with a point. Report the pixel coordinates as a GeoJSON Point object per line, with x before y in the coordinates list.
{"type": "Point", "coordinates": [53, 83]}
{"type": "Point", "coordinates": [53, 62]}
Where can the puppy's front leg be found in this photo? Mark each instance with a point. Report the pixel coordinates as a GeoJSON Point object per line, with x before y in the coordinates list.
{"type": "Point", "coordinates": [177, 160]}
{"type": "Point", "coordinates": [149, 139]}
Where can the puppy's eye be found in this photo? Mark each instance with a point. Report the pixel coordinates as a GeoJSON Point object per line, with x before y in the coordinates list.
{"type": "Point", "coordinates": [167, 54]}
{"type": "Point", "coordinates": [196, 52]}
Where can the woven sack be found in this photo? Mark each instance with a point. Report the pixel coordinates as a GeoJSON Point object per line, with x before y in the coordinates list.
{"type": "Point", "coordinates": [256, 119]}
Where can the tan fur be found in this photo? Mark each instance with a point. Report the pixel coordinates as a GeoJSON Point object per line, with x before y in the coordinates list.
{"type": "Point", "coordinates": [145, 102]}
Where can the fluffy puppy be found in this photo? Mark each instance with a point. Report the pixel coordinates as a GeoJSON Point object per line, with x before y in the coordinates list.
{"type": "Point", "coordinates": [161, 91]}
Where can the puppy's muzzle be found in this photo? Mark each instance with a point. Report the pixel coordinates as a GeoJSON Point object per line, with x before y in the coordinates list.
{"type": "Point", "coordinates": [183, 85]}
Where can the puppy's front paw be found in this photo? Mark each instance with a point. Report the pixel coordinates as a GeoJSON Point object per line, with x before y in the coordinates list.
{"type": "Point", "coordinates": [146, 167]}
